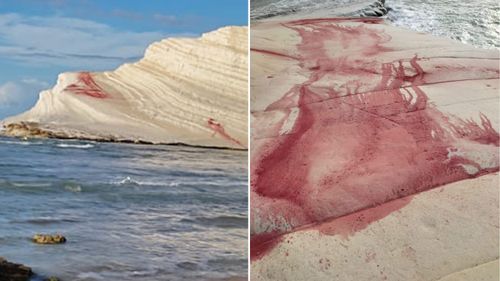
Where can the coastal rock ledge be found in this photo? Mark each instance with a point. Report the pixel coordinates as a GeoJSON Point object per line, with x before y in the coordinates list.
{"type": "Point", "coordinates": [189, 91]}
{"type": "Point", "coordinates": [374, 153]}
{"type": "Point", "coordinates": [14, 272]}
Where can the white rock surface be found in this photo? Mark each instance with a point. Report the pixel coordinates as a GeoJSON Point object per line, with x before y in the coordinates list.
{"type": "Point", "coordinates": [374, 153]}
{"type": "Point", "coordinates": [184, 90]}
{"type": "Point", "coordinates": [449, 233]}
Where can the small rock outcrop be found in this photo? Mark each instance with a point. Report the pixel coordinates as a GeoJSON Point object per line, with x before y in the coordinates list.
{"type": "Point", "coordinates": [14, 272]}
{"type": "Point", "coordinates": [49, 239]}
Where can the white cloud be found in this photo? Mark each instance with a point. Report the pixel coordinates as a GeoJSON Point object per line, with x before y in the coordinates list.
{"type": "Point", "coordinates": [169, 19]}
{"type": "Point", "coordinates": [70, 41]}
{"type": "Point", "coordinates": [172, 20]}
{"type": "Point", "coordinates": [18, 96]}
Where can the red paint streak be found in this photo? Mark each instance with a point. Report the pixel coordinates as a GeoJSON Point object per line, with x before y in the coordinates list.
{"type": "Point", "coordinates": [86, 86]}
{"type": "Point", "coordinates": [348, 150]}
{"type": "Point", "coordinates": [261, 244]}
{"type": "Point", "coordinates": [272, 53]}
{"type": "Point", "coordinates": [219, 129]}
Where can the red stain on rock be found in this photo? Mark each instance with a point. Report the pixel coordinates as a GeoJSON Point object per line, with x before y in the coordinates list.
{"type": "Point", "coordinates": [261, 244]}
{"type": "Point", "coordinates": [86, 86]}
{"type": "Point", "coordinates": [356, 146]}
{"type": "Point", "coordinates": [219, 129]}
{"type": "Point", "coordinates": [352, 223]}
{"type": "Point", "coordinates": [484, 133]}
{"type": "Point", "coordinates": [273, 53]}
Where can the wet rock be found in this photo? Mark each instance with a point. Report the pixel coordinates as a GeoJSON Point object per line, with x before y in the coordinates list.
{"type": "Point", "coordinates": [14, 272]}
{"type": "Point", "coordinates": [49, 239]}
{"type": "Point", "coordinates": [377, 9]}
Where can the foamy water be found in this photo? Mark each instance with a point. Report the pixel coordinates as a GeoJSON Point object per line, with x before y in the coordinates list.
{"type": "Point", "coordinates": [471, 22]}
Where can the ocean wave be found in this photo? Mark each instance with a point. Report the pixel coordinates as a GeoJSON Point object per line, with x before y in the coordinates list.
{"type": "Point", "coordinates": [42, 186]}
{"type": "Point", "coordinates": [73, 187]}
{"type": "Point", "coordinates": [224, 221]}
{"type": "Point", "coordinates": [44, 220]}
{"type": "Point", "coordinates": [21, 142]}
{"type": "Point", "coordinates": [90, 276]}
{"type": "Point", "coordinates": [129, 181]}
{"type": "Point", "coordinates": [30, 184]}
{"type": "Point", "coordinates": [67, 145]}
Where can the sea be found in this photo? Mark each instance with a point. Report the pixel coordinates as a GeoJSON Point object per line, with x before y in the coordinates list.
{"type": "Point", "coordinates": [474, 22]}
{"type": "Point", "coordinates": [129, 212]}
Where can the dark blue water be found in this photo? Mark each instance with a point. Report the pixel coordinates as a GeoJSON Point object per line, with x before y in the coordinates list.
{"type": "Point", "coordinates": [129, 212]}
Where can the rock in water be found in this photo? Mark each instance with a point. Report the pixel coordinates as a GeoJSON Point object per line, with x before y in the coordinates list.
{"type": "Point", "coordinates": [184, 90]}
{"type": "Point", "coordinates": [374, 153]}
{"type": "Point", "coordinates": [49, 239]}
{"type": "Point", "coordinates": [14, 272]}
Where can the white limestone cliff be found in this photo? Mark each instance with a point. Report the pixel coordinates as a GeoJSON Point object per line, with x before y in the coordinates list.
{"type": "Point", "coordinates": [185, 90]}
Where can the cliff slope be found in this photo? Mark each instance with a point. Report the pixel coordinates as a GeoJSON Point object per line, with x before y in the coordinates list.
{"type": "Point", "coordinates": [184, 90]}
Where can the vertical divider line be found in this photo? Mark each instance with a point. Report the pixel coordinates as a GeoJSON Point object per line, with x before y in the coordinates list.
{"type": "Point", "coordinates": [248, 142]}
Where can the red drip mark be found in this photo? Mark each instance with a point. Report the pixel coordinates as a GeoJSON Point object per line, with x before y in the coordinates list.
{"type": "Point", "coordinates": [86, 86]}
{"type": "Point", "coordinates": [219, 129]}
{"type": "Point", "coordinates": [484, 134]}
{"type": "Point", "coordinates": [350, 150]}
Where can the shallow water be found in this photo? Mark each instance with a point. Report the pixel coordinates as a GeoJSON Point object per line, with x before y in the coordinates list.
{"type": "Point", "coordinates": [130, 212]}
{"type": "Point", "coordinates": [472, 22]}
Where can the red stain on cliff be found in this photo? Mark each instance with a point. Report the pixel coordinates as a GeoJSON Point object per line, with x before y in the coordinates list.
{"type": "Point", "coordinates": [219, 129]}
{"type": "Point", "coordinates": [355, 147]}
{"type": "Point", "coordinates": [86, 86]}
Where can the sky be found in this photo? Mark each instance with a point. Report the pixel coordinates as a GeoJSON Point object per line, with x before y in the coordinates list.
{"type": "Point", "coordinates": [40, 39]}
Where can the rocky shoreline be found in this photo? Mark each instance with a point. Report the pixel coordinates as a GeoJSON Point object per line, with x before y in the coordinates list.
{"type": "Point", "coordinates": [13, 271]}
{"type": "Point", "coordinates": [35, 130]}
{"type": "Point", "coordinates": [27, 130]}
{"type": "Point", "coordinates": [10, 271]}
{"type": "Point", "coordinates": [375, 8]}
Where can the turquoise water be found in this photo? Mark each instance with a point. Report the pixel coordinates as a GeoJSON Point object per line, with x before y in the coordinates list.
{"type": "Point", "coordinates": [129, 212]}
